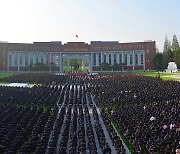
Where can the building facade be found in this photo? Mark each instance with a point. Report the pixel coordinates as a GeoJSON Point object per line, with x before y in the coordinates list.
{"type": "Point", "coordinates": [55, 56]}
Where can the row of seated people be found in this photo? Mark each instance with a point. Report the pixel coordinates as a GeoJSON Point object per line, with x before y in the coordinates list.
{"type": "Point", "coordinates": [39, 133]}
{"type": "Point", "coordinates": [119, 147]}
{"type": "Point", "coordinates": [54, 133]}
{"type": "Point", "coordinates": [100, 133]}
{"type": "Point", "coordinates": [22, 124]}
{"type": "Point", "coordinates": [133, 100]}
{"type": "Point", "coordinates": [155, 125]}
{"type": "Point", "coordinates": [24, 133]}
{"type": "Point", "coordinates": [43, 79]}
{"type": "Point", "coordinates": [90, 134]}
{"type": "Point", "coordinates": [113, 134]}
{"type": "Point", "coordinates": [133, 89]}
{"type": "Point", "coordinates": [116, 139]}
{"type": "Point", "coordinates": [23, 96]}
{"type": "Point", "coordinates": [77, 135]}
{"type": "Point", "coordinates": [73, 132]}
{"type": "Point", "coordinates": [35, 78]}
{"type": "Point", "coordinates": [36, 134]}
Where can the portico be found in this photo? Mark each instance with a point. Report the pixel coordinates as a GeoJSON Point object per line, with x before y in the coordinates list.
{"type": "Point", "coordinates": [64, 60]}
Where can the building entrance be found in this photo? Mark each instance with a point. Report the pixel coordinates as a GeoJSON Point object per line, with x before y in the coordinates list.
{"type": "Point", "coordinates": [76, 65]}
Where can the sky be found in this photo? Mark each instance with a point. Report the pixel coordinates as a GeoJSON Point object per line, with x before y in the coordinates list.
{"type": "Point", "coordinates": [27, 21]}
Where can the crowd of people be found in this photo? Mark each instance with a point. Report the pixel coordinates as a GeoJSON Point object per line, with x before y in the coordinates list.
{"type": "Point", "coordinates": [62, 114]}
{"type": "Point", "coordinates": [146, 109]}
{"type": "Point", "coordinates": [56, 116]}
{"type": "Point", "coordinates": [44, 79]}
{"type": "Point", "coordinates": [24, 113]}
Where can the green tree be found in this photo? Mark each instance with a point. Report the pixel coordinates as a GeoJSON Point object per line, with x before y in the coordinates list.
{"type": "Point", "coordinates": [167, 44]}
{"type": "Point", "coordinates": [159, 61]}
{"type": "Point", "coordinates": [41, 66]}
{"type": "Point", "coordinates": [122, 66]}
{"type": "Point", "coordinates": [76, 66]}
{"type": "Point", "coordinates": [104, 66]}
{"type": "Point", "coordinates": [176, 50]}
{"type": "Point", "coordinates": [168, 56]}
{"type": "Point", "coordinates": [175, 43]}
{"type": "Point", "coordinates": [167, 52]}
{"type": "Point", "coordinates": [176, 57]}
{"type": "Point", "coordinates": [30, 66]}
{"type": "Point", "coordinates": [115, 66]}
{"type": "Point", "coordinates": [51, 65]}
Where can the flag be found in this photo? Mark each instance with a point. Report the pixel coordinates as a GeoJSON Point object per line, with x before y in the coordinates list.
{"type": "Point", "coordinates": [77, 36]}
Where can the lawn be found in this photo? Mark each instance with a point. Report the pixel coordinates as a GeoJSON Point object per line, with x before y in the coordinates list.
{"type": "Point", "coordinates": [163, 75]}
{"type": "Point", "coordinates": [4, 75]}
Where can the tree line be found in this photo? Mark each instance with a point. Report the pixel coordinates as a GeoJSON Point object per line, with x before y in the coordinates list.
{"type": "Point", "coordinates": [171, 53]}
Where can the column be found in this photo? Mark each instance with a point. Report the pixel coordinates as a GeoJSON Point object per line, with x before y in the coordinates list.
{"type": "Point", "coordinates": [8, 61]}
{"type": "Point", "coordinates": [122, 56]}
{"type": "Point", "coordinates": [50, 57]}
{"type": "Point", "coordinates": [29, 58]}
{"type": "Point", "coordinates": [91, 63]}
{"type": "Point", "coordinates": [128, 58]}
{"type": "Point", "coordinates": [117, 57]}
{"type": "Point", "coordinates": [44, 58]}
{"type": "Point", "coordinates": [139, 58]}
{"type": "Point", "coordinates": [18, 61]}
{"type": "Point", "coordinates": [34, 58]}
{"type": "Point", "coordinates": [12, 59]}
{"type": "Point", "coordinates": [133, 59]}
{"type": "Point", "coordinates": [23, 59]}
{"type": "Point", "coordinates": [102, 57]}
{"type": "Point", "coordinates": [144, 60]}
{"type": "Point", "coordinates": [97, 59]}
{"type": "Point", "coordinates": [39, 57]}
{"type": "Point", "coordinates": [112, 58]}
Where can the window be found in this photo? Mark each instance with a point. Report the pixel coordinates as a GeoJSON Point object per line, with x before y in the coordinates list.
{"type": "Point", "coordinates": [115, 60]}
{"type": "Point", "coordinates": [20, 57]}
{"type": "Point", "coordinates": [142, 58]}
{"type": "Point", "coordinates": [15, 60]}
{"type": "Point", "coordinates": [131, 62]}
{"type": "Point", "coordinates": [125, 59]}
{"type": "Point", "coordinates": [41, 57]}
{"type": "Point", "coordinates": [120, 58]}
{"type": "Point", "coordinates": [99, 58]}
{"type": "Point", "coordinates": [104, 57]}
{"type": "Point", "coordinates": [94, 59]}
{"type": "Point", "coordinates": [26, 59]}
{"type": "Point", "coordinates": [136, 59]}
{"type": "Point", "coordinates": [10, 63]}
{"type": "Point", "coordinates": [109, 59]}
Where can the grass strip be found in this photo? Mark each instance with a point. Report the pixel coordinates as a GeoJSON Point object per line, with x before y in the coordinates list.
{"type": "Point", "coordinates": [129, 146]}
{"type": "Point", "coordinates": [4, 75]}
